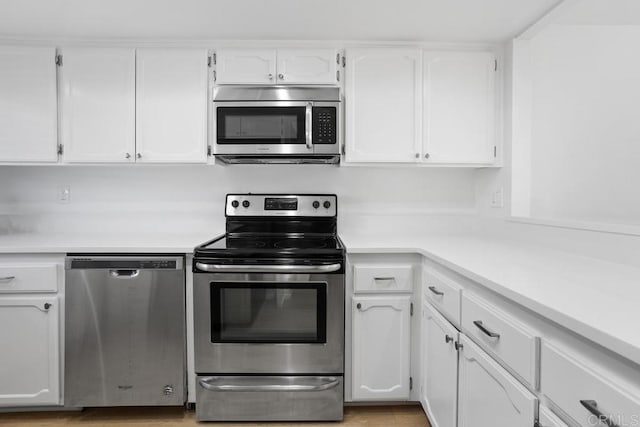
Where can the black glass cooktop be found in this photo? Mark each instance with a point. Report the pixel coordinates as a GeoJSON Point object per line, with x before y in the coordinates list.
{"type": "Point", "coordinates": [271, 245]}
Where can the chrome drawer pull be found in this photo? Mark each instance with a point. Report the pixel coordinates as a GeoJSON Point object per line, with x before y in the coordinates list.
{"type": "Point", "coordinates": [484, 329]}
{"type": "Point", "coordinates": [7, 278]}
{"type": "Point", "coordinates": [210, 385]}
{"type": "Point", "coordinates": [328, 268]}
{"type": "Point", "coordinates": [384, 278]}
{"type": "Point", "coordinates": [592, 406]}
{"type": "Point", "coordinates": [448, 339]}
{"type": "Point", "coordinates": [436, 291]}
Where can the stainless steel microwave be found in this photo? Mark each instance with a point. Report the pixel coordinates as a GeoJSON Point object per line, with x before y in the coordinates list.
{"type": "Point", "coordinates": [277, 124]}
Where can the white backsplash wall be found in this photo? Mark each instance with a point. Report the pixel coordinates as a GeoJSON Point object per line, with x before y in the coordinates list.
{"type": "Point", "coordinates": [149, 198]}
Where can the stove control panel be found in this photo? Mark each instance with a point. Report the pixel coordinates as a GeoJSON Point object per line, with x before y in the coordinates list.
{"type": "Point", "coordinates": [309, 205]}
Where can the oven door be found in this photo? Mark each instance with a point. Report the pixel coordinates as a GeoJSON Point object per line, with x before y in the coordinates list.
{"type": "Point", "coordinates": [276, 128]}
{"type": "Point", "coordinates": [269, 323]}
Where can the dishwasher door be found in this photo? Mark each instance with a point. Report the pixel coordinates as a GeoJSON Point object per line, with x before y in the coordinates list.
{"type": "Point", "coordinates": [124, 331]}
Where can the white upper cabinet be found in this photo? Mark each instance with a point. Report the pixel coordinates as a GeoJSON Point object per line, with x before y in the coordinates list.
{"type": "Point", "coordinates": [245, 66]}
{"type": "Point", "coordinates": [30, 370]}
{"type": "Point", "coordinates": [97, 98]}
{"type": "Point", "coordinates": [383, 105]}
{"type": "Point", "coordinates": [459, 107]}
{"type": "Point", "coordinates": [277, 66]}
{"type": "Point", "coordinates": [171, 105]}
{"type": "Point", "coordinates": [28, 105]}
{"type": "Point", "coordinates": [381, 348]}
{"type": "Point", "coordinates": [488, 395]}
{"type": "Point", "coordinates": [308, 66]}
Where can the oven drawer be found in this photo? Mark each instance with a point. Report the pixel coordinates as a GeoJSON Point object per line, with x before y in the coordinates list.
{"type": "Point", "coordinates": [269, 398]}
{"type": "Point", "coordinates": [382, 278]}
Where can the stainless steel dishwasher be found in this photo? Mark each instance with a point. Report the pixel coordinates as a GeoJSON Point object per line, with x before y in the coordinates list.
{"type": "Point", "coordinates": [124, 331]}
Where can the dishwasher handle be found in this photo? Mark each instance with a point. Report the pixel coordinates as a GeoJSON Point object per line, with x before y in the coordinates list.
{"type": "Point", "coordinates": [124, 274]}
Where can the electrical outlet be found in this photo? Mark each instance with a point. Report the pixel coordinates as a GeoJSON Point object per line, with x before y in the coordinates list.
{"type": "Point", "coordinates": [497, 198]}
{"type": "Point", "coordinates": [64, 194]}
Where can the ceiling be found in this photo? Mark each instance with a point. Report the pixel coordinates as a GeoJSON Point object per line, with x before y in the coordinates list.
{"type": "Point", "coordinates": [396, 20]}
{"type": "Point", "coordinates": [601, 12]}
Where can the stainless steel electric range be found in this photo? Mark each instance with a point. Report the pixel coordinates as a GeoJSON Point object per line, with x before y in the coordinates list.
{"type": "Point", "coordinates": [269, 312]}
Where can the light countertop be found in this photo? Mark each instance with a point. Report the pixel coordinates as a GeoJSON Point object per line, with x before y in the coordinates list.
{"type": "Point", "coordinates": [594, 298]}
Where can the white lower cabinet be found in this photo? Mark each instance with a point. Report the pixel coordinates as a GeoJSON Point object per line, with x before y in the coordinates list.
{"type": "Point", "coordinates": [488, 396]}
{"type": "Point", "coordinates": [381, 347]}
{"type": "Point", "coordinates": [29, 354]}
{"type": "Point", "coordinates": [546, 418]}
{"type": "Point", "coordinates": [440, 368]}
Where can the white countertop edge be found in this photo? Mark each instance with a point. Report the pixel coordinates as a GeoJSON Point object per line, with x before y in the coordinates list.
{"type": "Point", "coordinates": [599, 337]}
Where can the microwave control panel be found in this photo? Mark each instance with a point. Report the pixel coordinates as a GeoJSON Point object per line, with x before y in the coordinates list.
{"type": "Point", "coordinates": [324, 128]}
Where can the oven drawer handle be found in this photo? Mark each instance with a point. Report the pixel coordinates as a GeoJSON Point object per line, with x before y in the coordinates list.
{"type": "Point", "coordinates": [328, 268]}
{"type": "Point", "coordinates": [205, 382]}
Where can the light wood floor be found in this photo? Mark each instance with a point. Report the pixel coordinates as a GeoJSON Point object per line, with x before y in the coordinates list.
{"type": "Point", "coordinates": [402, 416]}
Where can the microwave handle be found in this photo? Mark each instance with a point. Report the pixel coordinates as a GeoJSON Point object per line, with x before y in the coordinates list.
{"type": "Point", "coordinates": [307, 125]}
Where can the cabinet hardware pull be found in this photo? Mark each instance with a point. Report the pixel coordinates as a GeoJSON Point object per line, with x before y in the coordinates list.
{"type": "Point", "coordinates": [139, 155]}
{"type": "Point", "coordinates": [447, 339]}
{"type": "Point", "coordinates": [7, 279]}
{"type": "Point", "coordinates": [281, 76]}
{"type": "Point", "coordinates": [458, 345]}
{"type": "Point", "coordinates": [592, 406]}
{"type": "Point", "coordinates": [270, 76]}
{"type": "Point", "coordinates": [436, 291]}
{"type": "Point", "coordinates": [47, 306]}
{"type": "Point", "coordinates": [384, 278]}
{"type": "Point", "coordinates": [127, 155]}
{"type": "Point", "coordinates": [358, 306]}
{"type": "Point", "coordinates": [484, 329]}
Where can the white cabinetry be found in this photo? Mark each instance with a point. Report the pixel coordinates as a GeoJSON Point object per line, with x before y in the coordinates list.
{"type": "Point", "coordinates": [546, 418]}
{"type": "Point", "coordinates": [98, 98]}
{"type": "Point", "coordinates": [171, 105]}
{"type": "Point", "coordinates": [29, 337]}
{"type": "Point", "coordinates": [383, 97]}
{"type": "Point", "coordinates": [381, 347]}
{"type": "Point", "coordinates": [28, 104]}
{"type": "Point", "coordinates": [488, 396]}
{"type": "Point", "coordinates": [459, 107]}
{"type": "Point", "coordinates": [281, 66]}
{"type": "Point", "coordinates": [440, 368]}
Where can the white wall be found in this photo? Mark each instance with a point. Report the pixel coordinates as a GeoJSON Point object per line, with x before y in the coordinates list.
{"type": "Point", "coordinates": [180, 197]}
{"type": "Point", "coordinates": [585, 142]}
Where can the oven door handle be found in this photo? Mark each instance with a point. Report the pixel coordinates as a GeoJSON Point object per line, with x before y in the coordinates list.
{"type": "Point", "coordinates": [214, 268]}
{"type": "Point", "coordinates": [220, 384]}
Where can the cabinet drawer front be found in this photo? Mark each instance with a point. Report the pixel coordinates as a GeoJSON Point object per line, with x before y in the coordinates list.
{"type": "Point", "coordinates": [382, 278]}
{"type": "Point", "coordinates": [444, 294]}
{"type": "Point", "coordinates": [575, 388]}
{"type": "Point", "coordinates": [503, 336]}
{"type": "Point", "coordinates": [28, 278]}
{"type": "Point", "coordinates": [549, 419]}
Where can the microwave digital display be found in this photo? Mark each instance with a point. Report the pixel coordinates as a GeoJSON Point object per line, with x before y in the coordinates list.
{"type": "Point", "coordinates": [280, 204]}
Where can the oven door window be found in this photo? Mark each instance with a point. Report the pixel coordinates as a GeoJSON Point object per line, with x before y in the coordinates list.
{"type": "Point", "coordinates": [268, 313]}
{"type": "Point", "coordinates": [260, 125]}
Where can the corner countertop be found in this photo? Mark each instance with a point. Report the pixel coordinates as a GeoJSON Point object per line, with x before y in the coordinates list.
{"type": "Point", "coordinates": [594, 298]}
{"type": "Point", "coordinates": [97, 242]}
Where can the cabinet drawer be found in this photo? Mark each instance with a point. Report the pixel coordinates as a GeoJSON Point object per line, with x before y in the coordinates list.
{"type": "Point", "coordinates": [382, 278]}
{"type": "Point", "coordinates": [581, 390]}
{"type": "Point", "coordinates": [28, 278]}
{"type": "Point", "coordinates": [546, 418]}
{"type": "Point", "coordinates": [444, 294]}
{"type": "Point", "coordinates": [503, 336]}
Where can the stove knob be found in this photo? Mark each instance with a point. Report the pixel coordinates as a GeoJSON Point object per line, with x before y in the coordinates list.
{"type": "Point", "coordinates": [327, 204]}
{"type": "Point", "coordinates": [235, 204]}
{"type": "Point", "coordinates": [245, 203]}
{"type": "Point", "coordinates": [316, 204]}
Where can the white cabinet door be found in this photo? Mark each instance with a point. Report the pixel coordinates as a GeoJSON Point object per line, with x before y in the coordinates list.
{"type": "Point", "coordinates": [488, 396]}
{"type": "Point", "coordinates": [381, 347]}
{"type": "Point", "coordinates": [459, 107]}
{"type": "Point", "coordinates": [383, 105]}
{"type": "Point", "coordinates": [30, 370]}
{"type": "Point", "coordinates": [98, 99]}
{"type": "Point", "coordinates": [440, 369]}
{"type": "Point", "coordinates": [171, 105]}
{"type": "Point", "coordinates": [245, 66]}
{"type": "Point", "coordinates": [308, 66]}
{"type": "Point", "coordinates": [28, 105]}
{"type": "Point", "coordinates": [546, 418]}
